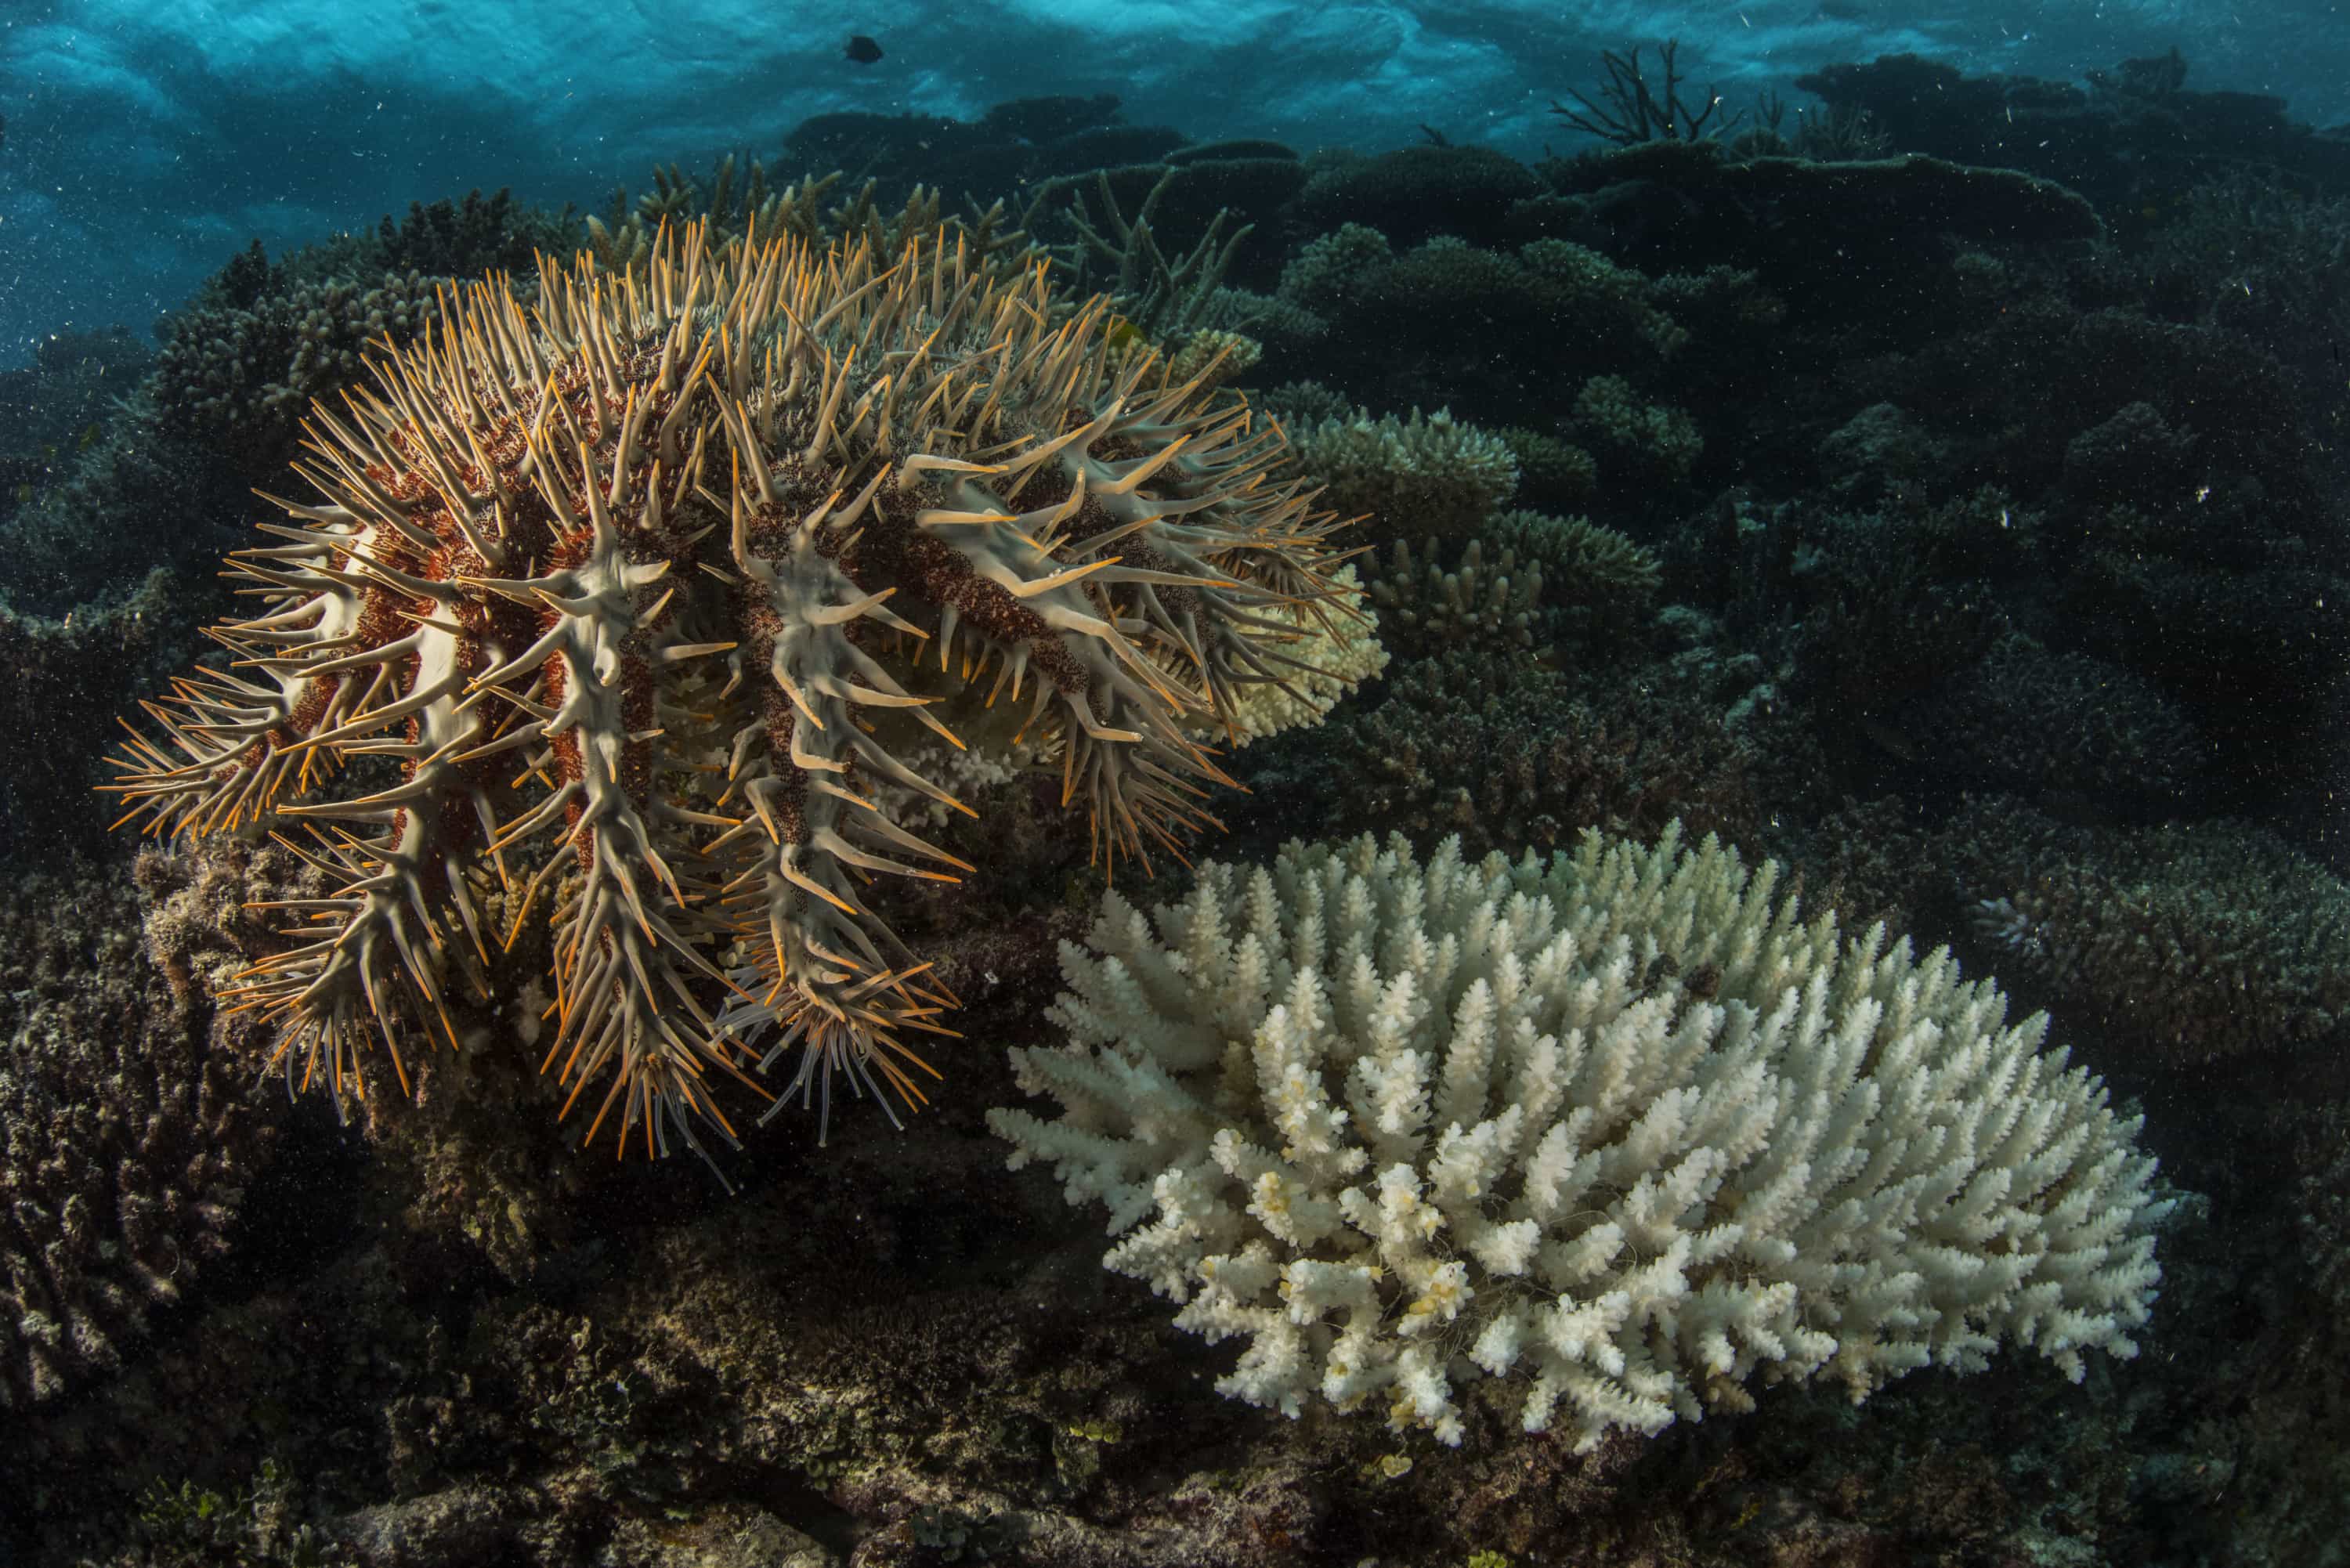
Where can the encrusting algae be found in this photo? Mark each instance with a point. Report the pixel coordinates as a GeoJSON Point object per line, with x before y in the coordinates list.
{"type": "Point", "coordinates": [672, 568]}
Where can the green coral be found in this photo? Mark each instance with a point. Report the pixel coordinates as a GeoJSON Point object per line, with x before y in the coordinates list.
{"type": "Point", "coordinates": [2189, 941]}
{"type": "Point", "coordinates": [1585, 565]}
{"type": "Point", "coordinates": [1426, 474]}
{"type": "Point", "coordinates": [1552, 473]}
{"type": "Point", "coordinates": [1484, 742]}
{"type": "Point", "coordinates": [1575, 278]}
{"type": "Point", "coordinates": [1571, 300]}
{"type": "Point", "coordinates": [1526, 581]}
{"type": "Point", "coordinates": [240, 377]}
{"type": "Point", "coordinates": [1328, 270]}
{"type": "Point", "coordinates": [1650, 440]}
{"type": "Point", "coordinates": [1426, 607]}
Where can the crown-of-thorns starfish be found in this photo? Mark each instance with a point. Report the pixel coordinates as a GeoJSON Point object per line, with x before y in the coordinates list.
{"type": "Point", "coordinates": [669, 567]}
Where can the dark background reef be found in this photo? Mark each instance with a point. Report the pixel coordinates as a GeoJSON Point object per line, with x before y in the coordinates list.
{"type": "Point", "coordinates": [1991, 567]}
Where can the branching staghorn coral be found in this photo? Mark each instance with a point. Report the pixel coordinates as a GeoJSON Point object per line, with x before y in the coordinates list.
{"type": "Point", "coordinates": [1428, 607]}
{"type": "Point", "coordinates": [1635, 439]}
{"type": "Point", "coordinates": [1344, 650]}
{"type": "Point", "coordinates": [1621, 1131]}
{"type": "Point", "coordinates": [673, 568]}
{"type": "Point", "coordinates": [1634, 112]}
{"type": "Point", "coordinates": [1522, 582]}
{"type": "Point", "coordinates": [1596, 565]}
{"type": "Point", "coordinates": [239, 376]}
{"type": "Point", "coordinates": [1482, 741]}
{"type": "Point", "coordinates": [125, 1148]}
{"type": "Point", "coordinates": [1166, 296]}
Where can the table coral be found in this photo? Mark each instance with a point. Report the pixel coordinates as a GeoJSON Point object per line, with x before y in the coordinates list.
{"type": "Point", "coordinates": [1428, 474]}
{"type": "Point", "coordinates": [676, 566]}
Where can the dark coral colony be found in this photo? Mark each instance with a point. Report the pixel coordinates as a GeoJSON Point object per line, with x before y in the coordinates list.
{"type": "Point", "coordinates": [1623, 888]}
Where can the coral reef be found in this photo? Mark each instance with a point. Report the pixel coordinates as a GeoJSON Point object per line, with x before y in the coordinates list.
{"type": "Point", "coordinates": [1326, 273]}
{"type": "Point", "coordinates": [1882, 449]}
{"type": "Point", "coordinates": [242, 374]}
{"type": "Point", "coordinates": [2032, 719]}
{"type": "Point", "coordinates": [1593, 568]}
{"type": "Point", "coordinates": [60, 404]}
{"type": "Point", "coordinates": [1652, 444]}
{"type": "Point", "coordinates": [2183, 943]}
{"type": "Point", "coordinates": [64, 672]}
{"type": "Point", "coordinates": [1415, 192]}
{"type": "Point", "coordinates": [1679, 205]}
{"type": "Point", "coordinates": [126, 1142]}
{"type": "Point", "coordinates": [2041, 376]}
{"type": "Point", "coordinates": [1621, 1130]}
{"type": "Point", "coordinates": [2006, 489]}
{"type": "Point", "coordinates": [2135, 131]}
{"type": "Point", "coordinates": [1552, 475]}
{"type": "Point", "coordinates": [478, 234]}
{"type": "Point", "coordinates": [1495, 326]}
{"type": "Point", "coordinates": [1886, 622]}
{"type": "Point", "coordinates": [2133, 458]}
{"type": "Point", "coordinates": [1425, 475]}
{"type": "Point", "coordinates": [1634, 112]}
{"type": "Point", "coordinates": [652, 547]}
{"type": "Point", "coordinates": [1428, 606]}
{"type": "Point", "coordinates": [1482, 745]}
{"type": "Point", "coordinates": [2254, 651]}
{"type": "Point", "coordinates": [2265, 263]}
{"type": "Point", "coordinates": [1164, 290]}
{"type": "Point", "coordinates": [1589, 309]}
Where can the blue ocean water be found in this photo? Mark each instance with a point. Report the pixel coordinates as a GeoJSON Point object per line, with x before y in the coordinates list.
{"type": "Point", "coordinates": [159, 138]}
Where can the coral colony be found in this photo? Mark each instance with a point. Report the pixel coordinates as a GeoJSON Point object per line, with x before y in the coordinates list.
{"type": "Point", "coordinates": [641, 601]}
{"type": "Point", "coordinates": [1621, 1130]}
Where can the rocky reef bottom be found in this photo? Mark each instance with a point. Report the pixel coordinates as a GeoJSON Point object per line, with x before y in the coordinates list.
{"type": "Point", "coordinates": [452, 1338]}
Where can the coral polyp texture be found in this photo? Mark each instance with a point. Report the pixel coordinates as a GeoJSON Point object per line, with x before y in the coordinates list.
{"type": "Point", "coordinates": [1617, 1133]}
{"type": "Point", "coordinates": [125, 1147]}
{"type": "Point", "coordinates": [630, 604]}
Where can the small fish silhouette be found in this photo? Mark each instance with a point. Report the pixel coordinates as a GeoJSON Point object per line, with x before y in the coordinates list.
{"type": "Point", "coordinates": [863, 50]}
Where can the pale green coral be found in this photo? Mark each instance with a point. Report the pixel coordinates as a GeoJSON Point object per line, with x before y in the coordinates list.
{"type": "Point", "coordinates": [1551, 472]}
{"type": "Point", "coordinates": [1594, 564]}
{"type": "Point", "coordinates": [1426, 474]}
{"type": "Point", "coordinates": [1326, 270]}
{"type": "Point", "coordinates": [1650, 438]}
{"type": "Point", "coordinates": [1213, 356]}
{"type": "Point", "coordinates": [1429, 606]}
{"type": "Point", "coordinates": [1576, 277]}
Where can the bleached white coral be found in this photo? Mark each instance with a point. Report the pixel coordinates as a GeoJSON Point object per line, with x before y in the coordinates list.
{"type": "Point", "coordinates": [1336, 648]}
{"type": "Point", "coordinates": [1318, 650]}
{"type": "Point", "coordinates": [1621, 1128]}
